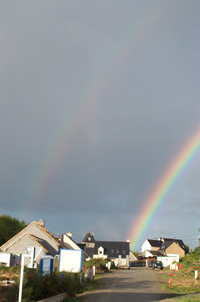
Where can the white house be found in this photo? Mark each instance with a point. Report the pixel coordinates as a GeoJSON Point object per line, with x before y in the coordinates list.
{"type": "Point", "coordinates": [151, 245]}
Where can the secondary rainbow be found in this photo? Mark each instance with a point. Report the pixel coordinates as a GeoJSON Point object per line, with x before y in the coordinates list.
{"type": "Point", "coordinates": [163, 187]}
{"type": "Point", "coordinates": [62, 143]}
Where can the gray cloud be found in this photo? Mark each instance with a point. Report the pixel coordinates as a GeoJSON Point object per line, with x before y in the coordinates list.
{"type": "Point", "coordinates": [97, 99]}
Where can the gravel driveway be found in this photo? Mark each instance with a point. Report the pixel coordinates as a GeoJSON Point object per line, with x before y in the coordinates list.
{"type": "Point", "coordinates": [137, 284]}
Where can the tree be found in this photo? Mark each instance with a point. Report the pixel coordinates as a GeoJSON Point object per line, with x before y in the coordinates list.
{"type": "Point", "coordinates": [135, 254]}
{"type": "Point", "coordinates": [9, 227]}
{"type": "Point", "coordinates": [187, 248]}
{"type": "Point", "coordinates": [199, 238]}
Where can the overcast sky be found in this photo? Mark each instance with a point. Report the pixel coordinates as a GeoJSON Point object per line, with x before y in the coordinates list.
{"type": "Point", "coordinates": [97, 99]}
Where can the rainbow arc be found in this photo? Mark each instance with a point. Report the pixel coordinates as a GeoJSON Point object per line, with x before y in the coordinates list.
{"type": "Point", "coordinates": [163, 187]}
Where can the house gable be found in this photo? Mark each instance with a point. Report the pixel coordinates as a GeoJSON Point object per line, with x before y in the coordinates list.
{"type": "Point", "coordinates": [174, 249]}
{"type": "Point", "coordinates": [20, 245]}
{"type": "Point", "coordinates": [26, 240]}
{"type": "Point", "coordinates": [68, 242]}
{"type": "Point", "coordinates": [146, 246]}
{"type": "Point", "coordinates": [41, 235]}
{"type": "Point", "coordinates": [178, 241]}
{"type": "Point", "coordinates": [89, 240]}
{"type": "Point", "coordinates": [151, 245]}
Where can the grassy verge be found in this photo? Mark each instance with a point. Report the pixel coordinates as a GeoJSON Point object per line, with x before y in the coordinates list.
{"type": "Point", "coordinates": [187, 288]}
{"type": "Point", "coordinates": [189, 298]}
{"type": "Point", "coordinates": [183, 282]}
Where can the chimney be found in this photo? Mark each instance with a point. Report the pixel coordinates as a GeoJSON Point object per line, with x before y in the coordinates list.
{"type": "Point", "coordinates": [41, 222]}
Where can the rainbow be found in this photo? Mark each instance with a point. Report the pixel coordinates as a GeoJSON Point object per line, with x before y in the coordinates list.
{"type": "Point", "coordinates": [62, 142]}
{"type": "Point", "coordinates": [163, 187]}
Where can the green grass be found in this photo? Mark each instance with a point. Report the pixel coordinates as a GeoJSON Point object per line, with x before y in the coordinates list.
{"type": "Point", "coordinates": [179, 289]}
{"type": "Point", "coordinates": [184, 282]}
{"type": "Point", "coordinates": [188, 298]}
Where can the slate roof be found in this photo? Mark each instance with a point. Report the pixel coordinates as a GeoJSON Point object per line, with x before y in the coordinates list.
{"type": "Point", "coordinates": [113, 248]}
{"type": "Point", "coordinates": [89, 252]}
{"type": "Point", "coordinates": [166, 244]}
{"type": "Point", "coordinates": [168, 241]}
{"type": "Point", "coordinates": [155, 243]}
{"type": "Point", "coordinates": [49, 234]}
{"type": "Point", "coordinates": [81, 245]}
{"type": "Point", "coordinates": [88, 238]}
{"type": "Point", "coordinates": [39, 241]}
{"type": "Point", "coordinates": [155, 253]}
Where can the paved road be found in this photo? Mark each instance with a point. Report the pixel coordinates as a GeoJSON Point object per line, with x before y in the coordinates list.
{"type": "Point", "coordinates": [138, 284]}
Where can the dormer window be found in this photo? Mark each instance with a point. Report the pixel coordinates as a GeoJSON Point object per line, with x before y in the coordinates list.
{"type": "Point", "coordinates": [89, 238]}
{"type": "Point", "coordinates": [100, 251]}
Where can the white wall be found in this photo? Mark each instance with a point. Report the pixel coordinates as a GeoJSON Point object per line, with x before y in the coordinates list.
{"type": "Point", "coordinates": [5, 258]}
{"type": "Point", "coordinates": [120, 262]}
{"type": "Point", "coordinates": [67, 240]}
{"type": "Point", "coordinates": [100, 256]}
{"type": "Point", "coordinates": [148, 254]}
{"type": "Point", "coordinates": [146, 246]}
{"type": "Point", "coordinates": [168, 260]}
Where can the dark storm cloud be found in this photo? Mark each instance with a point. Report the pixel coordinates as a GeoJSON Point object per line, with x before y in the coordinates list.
{"type": "Point", "coordinates": [141, 65]}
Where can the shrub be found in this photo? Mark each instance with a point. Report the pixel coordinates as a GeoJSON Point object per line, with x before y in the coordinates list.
{"type": "Point", "coordinates": [100, 264]}
{"type": "Point", "coordinates": [36, 287]}
{"type": "Point", "coordinates": [13, 292]}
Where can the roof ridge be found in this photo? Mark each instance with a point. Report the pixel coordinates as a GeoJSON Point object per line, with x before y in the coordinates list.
{"type": "Point", "coordinates": [48, 233]}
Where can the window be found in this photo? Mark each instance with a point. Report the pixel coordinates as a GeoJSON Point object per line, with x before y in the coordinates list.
{"type": "Point", "coordinates": [117, 251]}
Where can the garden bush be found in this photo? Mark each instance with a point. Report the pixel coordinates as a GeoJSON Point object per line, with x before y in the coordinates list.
{"type": "Point", "coordinates": [100, 264]}
{"type": "Point", "coordinates": [36, 287]}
